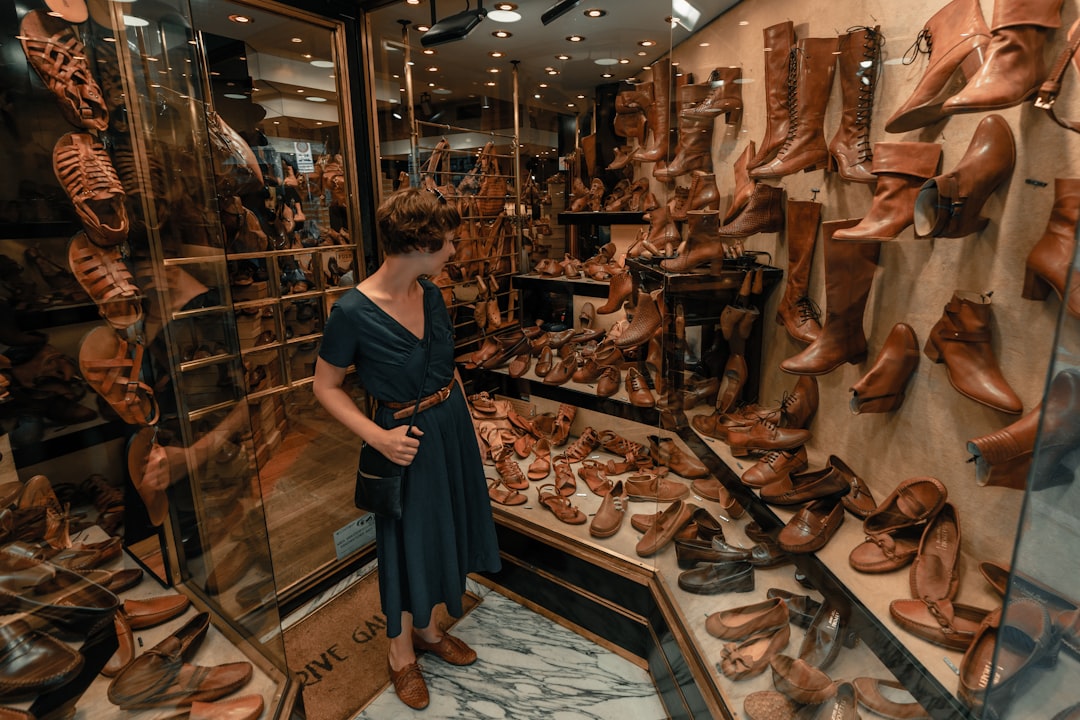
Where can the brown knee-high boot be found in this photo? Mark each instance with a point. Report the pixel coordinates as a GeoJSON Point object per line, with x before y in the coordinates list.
{"type": "Point", "coordinates": [796, 311]}
{"type": "Point", "coordinates": [658, 113]}
{"type": "Point", "coordinates": [849, 274]}
{"type": "Point", "coordinates": [725, 96]}
{"type": "Point", "coordinates": [857, 65]}
{"type": "Point", "coordinates": [779, 42]}
{"type": "Point", "coordinates": [1014, 65]}
{"type": "Point", "coordinates": [694, 148]}
{"type": "Point", "coordinates": [804, 147]}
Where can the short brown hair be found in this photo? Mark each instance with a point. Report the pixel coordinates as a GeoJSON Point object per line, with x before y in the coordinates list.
{"type": "Point", "coordinates": [415, 219]}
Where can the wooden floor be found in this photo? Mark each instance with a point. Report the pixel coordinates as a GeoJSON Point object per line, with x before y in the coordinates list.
{"type": "Point", "coordinates": [307, 489]}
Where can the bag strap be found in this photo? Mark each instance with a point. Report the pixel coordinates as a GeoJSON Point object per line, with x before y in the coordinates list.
{"type": "Point", "coordinates": [427, 362]}
{"type": "Point", "coordinates": [1050, 89]}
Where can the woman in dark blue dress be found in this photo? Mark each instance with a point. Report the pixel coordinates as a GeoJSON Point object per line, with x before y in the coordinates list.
{"type": "Point", "coordinates": [446, 529]}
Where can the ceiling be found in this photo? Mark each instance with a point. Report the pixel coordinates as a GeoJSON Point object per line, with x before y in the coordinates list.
{"type": "Point", "coordinates": [463, 67]}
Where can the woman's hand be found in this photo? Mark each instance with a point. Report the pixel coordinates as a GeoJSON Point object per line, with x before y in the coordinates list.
{"type": "Point", "coordinates": [399, 447]}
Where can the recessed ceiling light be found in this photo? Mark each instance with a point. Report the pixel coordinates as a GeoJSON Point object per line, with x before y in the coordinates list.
{"type": "Point", "coordinates": [322, 63]}
{"type": "Point", "coordinates": [575, 38]}
{"type": "Point", "coordinates": [703, 44]}
{"type": "Point", "coordinates": [306, 56]}
{"type": "Point", "coordinates": [605, 61]}
{"type": "Point", "coordinates": [240, 19]}
{"type": "Point", "coordinates": [624, 61]}
{"type": "Point", "coordinates": [647, 43]}
{"type": "Point", "coordinates": [569, 104]}
{"type": "Point", "coordinates": [490, 83]}
{"type": "Point", "coordinates": [552, 72]}
{"type": "Point", "coordinates": [607, 75]}
{"type": "Point", "coordinates": [318, 122]}
{"type": "Point", "coordinates": [277, 122]}
{"type": "Point", "coordinates": [504, 13]}
{"type": "Point", "coordinates": [412, 2]}
{"type": "Point", "coordinates": [296, 40]}
{"type": "Point", "coordinates": [580, 97]}
{"type": "Point", "coordinates": [236, 96]}
{"type": "Point", "coordinates": [433, 68]}
{"type": "Point", "coordinates": [744, 22]}
{"type": "Point", "coordinates": [505, 6]}
{"type": "Point", "coordinates": [430, 51]}
{"type": "Point", "coordinates": [562, 56]}
{"type": "Point", "coordinates": [537, 96]}
{"type": "Point", "coordinates": [423, 28]}
{"type": "Point", "coordinates": [496, 54]}
{"type": "Point", "coordinates": [595, 13]}
{"type": "Point", "coordinates": [301, 91]}
{"type": "Point", "coordinates": [642, 53]}
{"type": "Point", "coordinates": [502, 34]}
{"type": "Point", "coordinates": [431, 85]}
{"type": "Point", "coordinates": [543, 85]}
{"type": "Point", "coordinates": [493, 70]}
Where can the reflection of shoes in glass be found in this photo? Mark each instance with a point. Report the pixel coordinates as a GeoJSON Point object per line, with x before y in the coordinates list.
{"type": "Point", "coordinates": [34, 662]}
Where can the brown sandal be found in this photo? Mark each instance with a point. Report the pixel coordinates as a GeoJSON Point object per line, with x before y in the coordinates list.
{"type": "Point", "coordinates": [108, 369]}
{"type": "Point", "coordinates": [59, 59]}
{"type": "Point", "coordinates": [560, 506]}
{"type": "Point", "coordinates": [565, 483]}
{"type": "Point", "coordinates": [88, 177]}
{"type": "Point", "coordinates": [504, 495]}
{"type": "Point", "coordinates": [103, 275]}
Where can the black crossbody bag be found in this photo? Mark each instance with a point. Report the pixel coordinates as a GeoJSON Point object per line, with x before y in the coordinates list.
{"type": "Point", "coordinates": [380, 483]}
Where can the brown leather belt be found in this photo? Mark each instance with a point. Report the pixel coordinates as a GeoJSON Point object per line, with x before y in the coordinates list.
{"type": "Point", "coordinates": [405, 409]}
{"type": "Point", "coordinates": [1050, 89]}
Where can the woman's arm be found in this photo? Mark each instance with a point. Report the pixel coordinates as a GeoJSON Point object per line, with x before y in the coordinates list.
{"type": "Point", "coordinates": [393, 443]}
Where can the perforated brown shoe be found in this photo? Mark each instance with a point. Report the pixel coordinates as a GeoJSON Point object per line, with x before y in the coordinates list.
{"type": "Point", "coordinates": [410, 686]}
{"type": "Point", "coordinates": [450, 649]}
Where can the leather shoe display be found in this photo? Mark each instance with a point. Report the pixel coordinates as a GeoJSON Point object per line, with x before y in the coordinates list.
{"type": "Point", "coordinates": [888, 698]}
{"type": "Point", "coordinates": [609, 518]}
{"type": "Point", "coordinates": [637, 389]}
{"type": "Point", "coordinates": [796, 489]}
{"type": "Point", "coordinates": [841, 706]}
{"type": "Point", "coordinates": [802, 609]}
{"type": "Point", "coordinates": [774, 466]}
{"type": "Point", "coordinates": [827, 632]}
{"type": "Point", "coordinates": [762, 435]}
{"type": "Point", "coordinates": [812, 527]}
{"type": "Point", "coordinates": [751, 656]}
{"type": "Point", "coordinates": [649, 487]}
{"type": "Point", "coordinates": [881, 389]}
{"type": "Point", "coordinates": [691, 552]}
{"type": "Point", "coordinates": [712, 489]}
{"type": "Point", "coordinates": [449, 649]}
{"type": "Point", "coordinates": [894, 529]}
{"type": "Point", "coordinates": [32, 662]}
{"type": "Point", "coordinates": [934, 571]}
{"type": "Point", "coordinates": [410, 687]}
{"type": "Point", "coordinates": [51, 592]}
{"type": "Point", "coordinates": [942, 622]}
{"type": "Point", "coordinates": [741, 622]}
{"type": "Point", "coordinates": [665, 451]}
{"type": "Point", "coordinates": [801, 681]}
{"type": "Point", "coordinates": [718, 577]}
{"type": "Point", "coordinates": [664, 527]}
{"type": "Point", "coordinates": [153, 611]}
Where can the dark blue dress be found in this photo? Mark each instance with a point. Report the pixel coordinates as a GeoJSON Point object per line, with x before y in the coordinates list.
{"type": "Point", "coordinates": [446, 529]}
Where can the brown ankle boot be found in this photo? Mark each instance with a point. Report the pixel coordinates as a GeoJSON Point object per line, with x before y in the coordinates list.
{"type": "Point", "coordinates": [796, 311]}
{"type": "Point", "coordinates": [882, 388]}
{"type": "Point", "coordinates": [619, 288]}
{"type": "Point", "coordinates": [859, 60]}
{"type": "Point", "coordinates": [849, 273]}
{"type": "Point", "coordinates": [901, 169]}
{"type": "Point", "coordinates": [961, 340]}
{"type": "Point", "coordinates": [763, 213]}
{"type": "Point", "coordinates": [702, 243]}
{"type": "Point", "coordinates": [744, 186]}
{"type": "Point", "coordinates": [1049, 262]}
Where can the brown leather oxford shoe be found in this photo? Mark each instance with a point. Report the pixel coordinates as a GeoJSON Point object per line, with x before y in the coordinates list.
{"type": "Point", "coordinates": [449, 649]}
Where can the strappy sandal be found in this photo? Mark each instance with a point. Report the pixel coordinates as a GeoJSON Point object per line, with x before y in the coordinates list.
{"type": "Point", "coordinates": [59, 59]}
{"type": "Point", "coordinates": [105, 277]}
{"type": "Point", "coordinates": [593, 472]}
{"type": "Point", "coordinates": [565, 483]}
{"type": "Point", "coordinates": [540, 468]}
{"type": "Point", "coordinates": [504, 495]}
{"type": "Point", "coordinates": [88, 177]}
{"type": "Point", "coordinates": [107, 367]}
{"type": "Point", "coordinates": [559, 506]}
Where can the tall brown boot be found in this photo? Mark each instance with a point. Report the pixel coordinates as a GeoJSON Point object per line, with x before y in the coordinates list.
{"type": "Point", "coordinates": [744, 186]}
{"type": "Point", "coordinates": [694, 148]}
{"type": "Point", "coordinates": [1014, 65]}
{"type": "Point", "coordinates": [954, 38]}
{"type": "Point", "coordinates": [702, 243]}
{"type": "Point", "coordinates": [858, 63]}
{"type": "Point", "coordinates": [629, 120]}
{"type": "Point", "coordinates": [1049, 263]}
{"type": "Point", "coordinates": [949, 205]}
{"type": "Point", "coordinates": [724, 98]}
{"type": "Point", "coordinates": [901, 169]}
{"type": "Point", "coordinates": [961, 340]}
{"type": "Point", "coordinates": [779, 42]}
{"type": "Point", "coordinates": [796, 311]}
{"type": "Point", "coordinates": [804, 147]}
{"type": "Point", "coordinates": [849, 274]}
{"type": "Point", "coordinates": [658, 113]}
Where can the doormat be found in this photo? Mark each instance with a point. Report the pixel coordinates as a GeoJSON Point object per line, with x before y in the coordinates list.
{"type": "Point", "coordinates": [339, 651]}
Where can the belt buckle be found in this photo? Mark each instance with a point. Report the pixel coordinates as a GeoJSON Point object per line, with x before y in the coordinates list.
{"type": "Point", "coordinates": [1044, 104]}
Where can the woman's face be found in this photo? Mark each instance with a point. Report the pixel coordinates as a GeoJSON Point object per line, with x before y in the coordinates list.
{"type": "Point", "coordinates": [446, 252]}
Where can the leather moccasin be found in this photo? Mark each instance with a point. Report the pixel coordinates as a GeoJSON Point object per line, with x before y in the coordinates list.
{"type": "Point", "coordinates": [812, 527]}
{"type": "Point", "coordinates": [827, 632]}
{"type": "Point", "coordinates": [449, 649]}
{"type": "Point", "coordinates": [1007, 647]}
{"type": "Point", "coordinates": [802, 609]}
{"type": "Point", "coordinates": [32, 662]}
{"type": "Point", "coordinates": [941, 622]}
{"type": "Point", "coordinates": [708, 527]}
{"type": "Point", "coordinates": [775, 465]}
{"type": "Point", "coordinates": [664, 527]}
{"type": "Point", "coordinates": [751, 656]}
{"type": "Point", "coordinates": [1063, 611]}
{"type": "Point", "coordinates": [801, 681]}
{"type": "Point", "coordinates": [796, 489]}
{"type": "Point", "coordinates": [245, 707]}
{"type": "Point", "coordinates": [51, 592]}
{"type": "Point", "coordinates": [841, 706]}
{"type": "Point", "coordinates": [650, 487]}
{"type": "Point", "coordinates": [888, 698]}
{"type": "Point", "coordinates": [859, 501]}
{"type": "Point", "coordinates": [410, 686]}
{"type": "Point", "coordinates": [691, 552]}
{"type": "Point", "coordinates": [768, 554]}
{"type": "Point", "coordinates": [125, 650]}
{"type": "Point", "coordinates": [609, 517]}
{"type": "Point", "coordinates": [520, 364]}
{"type": "Point", "coordinates": [742, 622]}
{"type": "Point", "coordinates": [934, 570]}
{"type": "Point", "coordinates": [718, 577]}
{"type": "Point", "coordinates": [153, 611]}
{"type": "Point", "coordinates": [770, 705]}
{"type": "Point", "coordinates": [914, 501]}
{"type": "Point", "coordinates": [712, 489]}
{"type": "Point", "coordinates": [885, 552]}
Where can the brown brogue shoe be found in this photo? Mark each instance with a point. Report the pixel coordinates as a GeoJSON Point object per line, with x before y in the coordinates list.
{"type": "Point", "coordinates": [449, 649]}
{"type": "Point", "coordinates": [410, 686]}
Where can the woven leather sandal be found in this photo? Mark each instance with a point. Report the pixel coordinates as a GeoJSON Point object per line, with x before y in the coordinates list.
{"type": "Point", "coordinates": [59, 59]}
{"type": "Point", "coordinates": [88, 177]}
{"type": "Point", "coordinates": [111, 366]}
{"type": "Point", "coordinates": [106, 279]}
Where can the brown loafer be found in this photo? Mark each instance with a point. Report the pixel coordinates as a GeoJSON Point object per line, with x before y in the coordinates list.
{"type": "Point", "coordinates": [450, 649]}
{"type": "Point", "coordinates": [410, 686]}
{"type": "Point", "coordinates": [153, 611]}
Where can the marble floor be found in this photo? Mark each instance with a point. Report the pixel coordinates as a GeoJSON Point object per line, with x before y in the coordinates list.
{"type": "Point", "coordinates": [529, 667]}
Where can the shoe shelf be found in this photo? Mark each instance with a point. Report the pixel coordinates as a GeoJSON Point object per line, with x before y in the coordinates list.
{"type": "Point", "coordinates": [926, 670]}
{"type": "Point", "coordinates": [684, 613]}
{"type": "Point", "coordinates": [584, 286]}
